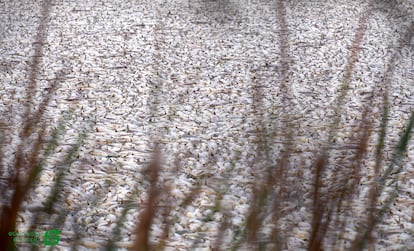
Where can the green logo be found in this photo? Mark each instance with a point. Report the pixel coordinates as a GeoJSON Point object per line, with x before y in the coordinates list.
{"type": "Point", "coordinates": [51, 237]}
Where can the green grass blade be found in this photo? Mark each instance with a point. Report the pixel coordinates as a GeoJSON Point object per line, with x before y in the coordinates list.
{"type": "Point", "coordinates": [395, 164]}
